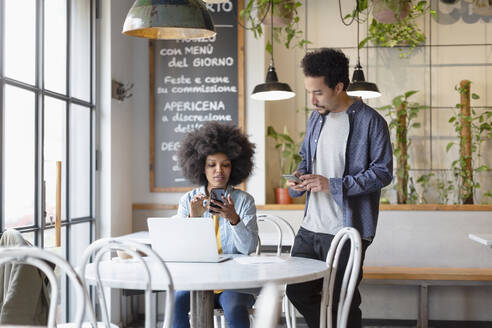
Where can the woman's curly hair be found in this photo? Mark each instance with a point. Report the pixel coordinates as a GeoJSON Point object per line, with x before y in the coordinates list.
{"type": "Point", "coordinates": [215, 138]}
{"type": "Point", "coordinates": [332, 64]}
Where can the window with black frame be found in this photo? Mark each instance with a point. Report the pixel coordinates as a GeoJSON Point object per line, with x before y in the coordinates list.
{"type": "Point", "coordinates": [47, 124]}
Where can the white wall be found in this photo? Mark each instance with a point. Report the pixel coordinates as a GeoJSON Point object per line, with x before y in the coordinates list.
{"type": "Point", "coordinates": [114, 137]}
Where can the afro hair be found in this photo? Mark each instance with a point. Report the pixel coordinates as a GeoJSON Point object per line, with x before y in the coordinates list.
{"type": "Point", "coordinates": [213, 138]}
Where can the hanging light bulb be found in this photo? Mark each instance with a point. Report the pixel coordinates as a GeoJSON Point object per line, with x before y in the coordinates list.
{"type": "Point", "coordinates": [359, 87]}
{"type": "Point", "coordinates": [272, 89]}
{"type": "Point", "coordinates": [169, 20]}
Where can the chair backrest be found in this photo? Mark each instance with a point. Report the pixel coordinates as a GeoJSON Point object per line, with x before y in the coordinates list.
{"type": "Point", "coordinates": [101, 247]}
{"type": "Point", "coordinates": [268, 307]}
{"type": "Point", "coordinates": [39, 258]}
{"type": "Point", "coordinates": [278, 223]}
{"type": "Point", "coordinates": [349, 281]}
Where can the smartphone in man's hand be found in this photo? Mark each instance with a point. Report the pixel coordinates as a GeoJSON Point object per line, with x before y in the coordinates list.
{"type": "Point", "coordinates": [216, 195]}
{"type": "Point", "coordinates": [291, 177]}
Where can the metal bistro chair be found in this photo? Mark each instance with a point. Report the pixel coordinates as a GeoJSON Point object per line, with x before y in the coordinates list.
{"type": "Point", "coordinates": [279, 222]}
{"type": "Point", "coordinates": [40, 259]}
{"type": "Point", "coordinates": [288, 308]}
{"type": "Point", "coordinates": [349, 281]}
{"type": "Point", "coordinates": [103, 246]}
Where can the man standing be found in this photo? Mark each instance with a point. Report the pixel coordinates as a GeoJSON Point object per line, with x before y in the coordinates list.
{"type": "Point", "coordinates": [346, 161]}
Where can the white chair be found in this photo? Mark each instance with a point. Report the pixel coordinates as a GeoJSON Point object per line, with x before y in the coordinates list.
{"type": "Point", "coordinates": [41, 258]}
{"type": "Point", "coordinates": [268, 307]}
{"type": "Point", "coordinates": [103, 246]}
{"type": "Point", "coordinates": [279, 222]}
{"type": "Point", "coordinates": [289, 310]}
{"type": "Point", "coordinates": [349, 281]}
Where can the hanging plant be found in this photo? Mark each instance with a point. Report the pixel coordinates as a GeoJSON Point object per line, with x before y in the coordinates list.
{"type": "Point", "coordinates": [471, 129]}
{"type": "Point", "coordinates": [286, 30]}
{"type": "Point", "coordinates": [402, 114]}
{"type": "Point", "coordinates": [403, 33]}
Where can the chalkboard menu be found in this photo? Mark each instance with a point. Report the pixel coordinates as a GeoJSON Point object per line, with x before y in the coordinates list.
{"type": "Point", "coordinates": [193, 82]}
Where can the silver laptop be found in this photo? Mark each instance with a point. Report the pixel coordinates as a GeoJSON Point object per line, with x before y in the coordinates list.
{"type": "Point", "coordinates": [184, 240]}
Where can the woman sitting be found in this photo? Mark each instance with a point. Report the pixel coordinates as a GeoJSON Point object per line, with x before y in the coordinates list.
{"type": "Point", "coordinates": [220, 156]}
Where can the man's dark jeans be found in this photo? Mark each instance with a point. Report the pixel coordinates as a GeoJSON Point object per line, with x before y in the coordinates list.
{"type": "Point", "coordinates": [306, 297]}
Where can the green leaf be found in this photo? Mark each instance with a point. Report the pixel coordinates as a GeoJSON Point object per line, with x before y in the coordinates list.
{"type": "Point", "coordinates": [482, 168]}
{"type": "Point", "coordinates": [410, 93]}
{"type": "Point", "coordinates": [363, 42]}
{"type": "Point", "coordinates": [475, 96]}
{"type": "Point", "coordinates": [397, 101]}
{"type": "Point", "coordinates": [449, 145]}
{"type": "Point", "coordinates": [268, 47]}
{"type": "Point", "coordinates": [271, 132]}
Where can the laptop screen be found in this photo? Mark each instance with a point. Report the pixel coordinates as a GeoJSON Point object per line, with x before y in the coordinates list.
{"type": "Point", "coordinates": [184, 239]}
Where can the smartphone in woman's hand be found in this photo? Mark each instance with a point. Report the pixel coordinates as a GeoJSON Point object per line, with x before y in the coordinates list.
{"type": "Point", "coordinates": [216, 195]}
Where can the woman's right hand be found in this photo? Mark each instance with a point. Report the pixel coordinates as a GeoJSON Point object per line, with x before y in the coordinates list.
{"type": "Point", "coordinates": [196, 205]}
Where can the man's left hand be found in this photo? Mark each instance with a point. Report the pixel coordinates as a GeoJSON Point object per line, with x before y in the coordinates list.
{"type": "Point", "coordinates": [315, 182]}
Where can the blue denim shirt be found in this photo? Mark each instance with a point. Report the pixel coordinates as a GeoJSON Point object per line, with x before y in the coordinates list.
{"type": "Point", "coordinates": [241, 238]}
{"type": "Point", "coordinates": [368, 166]}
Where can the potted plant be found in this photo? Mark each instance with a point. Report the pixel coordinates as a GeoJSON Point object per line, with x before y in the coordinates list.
{"type": "Point", "coordinates": [289, 160]}
{"type": "Point", "coordinates": [285, 20]}
{"type": "Point", "coordinates": [404, 32]}
{"type": "Point", "coordinates": [390, 11]}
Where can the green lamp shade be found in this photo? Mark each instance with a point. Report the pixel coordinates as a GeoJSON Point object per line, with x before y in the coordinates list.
{"type": "Point", "coordinates": [169, 20]}
{"type": "Point", "coordinates": [272, 89]}
{"type": "Point", "coordinates": [360, 88]}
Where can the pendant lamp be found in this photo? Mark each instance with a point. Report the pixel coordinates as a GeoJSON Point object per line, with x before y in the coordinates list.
{"type": "Point", "coordinates": [169, 20]}
{"type": "Point", "coordinates": [272, 89]}
{"type": "Point", "coordinates": [359, 87]}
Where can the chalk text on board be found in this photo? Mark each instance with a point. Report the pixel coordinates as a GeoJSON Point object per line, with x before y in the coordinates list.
{"type": "Point", "coordinates": [193, 106]}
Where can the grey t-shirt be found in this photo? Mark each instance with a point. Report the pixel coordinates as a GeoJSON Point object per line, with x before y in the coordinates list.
{"type": "Point", "coordinates": [323, 213]}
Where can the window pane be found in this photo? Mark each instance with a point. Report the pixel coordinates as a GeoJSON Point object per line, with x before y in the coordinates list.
{"type": "Point", "coordinates": [54, 151]}
{"type": "Point", "coordinates": [29, 236]}
{"type": "Point", "coordinates": [79, 240]}
{"type": "Point", "coordinates": [80, 53]}
{"type": "Point", "coordinates": [20, 40]}
{"type": "Point", "coordinates": [19, 127]}
{"type": "Point", "coordinates": [55, 48]}
{"type": "Point", "coordinates": [49, 244]}
{"type": "Point", "coordinates": [80, 161]}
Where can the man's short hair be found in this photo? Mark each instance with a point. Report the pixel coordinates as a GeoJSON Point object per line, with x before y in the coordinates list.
{"type": "Point", "coordinates": [332, 64]}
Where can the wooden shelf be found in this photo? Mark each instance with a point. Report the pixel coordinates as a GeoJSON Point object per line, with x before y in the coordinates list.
{"type": "Point", "coordinates": [300, 207]}
{"type": "Point", "coordinates": [434, 207]}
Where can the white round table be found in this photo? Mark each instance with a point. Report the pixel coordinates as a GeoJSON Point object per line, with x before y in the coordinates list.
{"type": "Point", "coordinates": [203, 278]}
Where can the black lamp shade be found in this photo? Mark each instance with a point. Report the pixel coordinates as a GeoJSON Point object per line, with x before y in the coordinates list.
{"type": "Point", "coordinates": [360, 88]}
{"type": "Point", "coordinates": [272, 89]}
{"type": "Point", "coordinates": [169, 20]}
